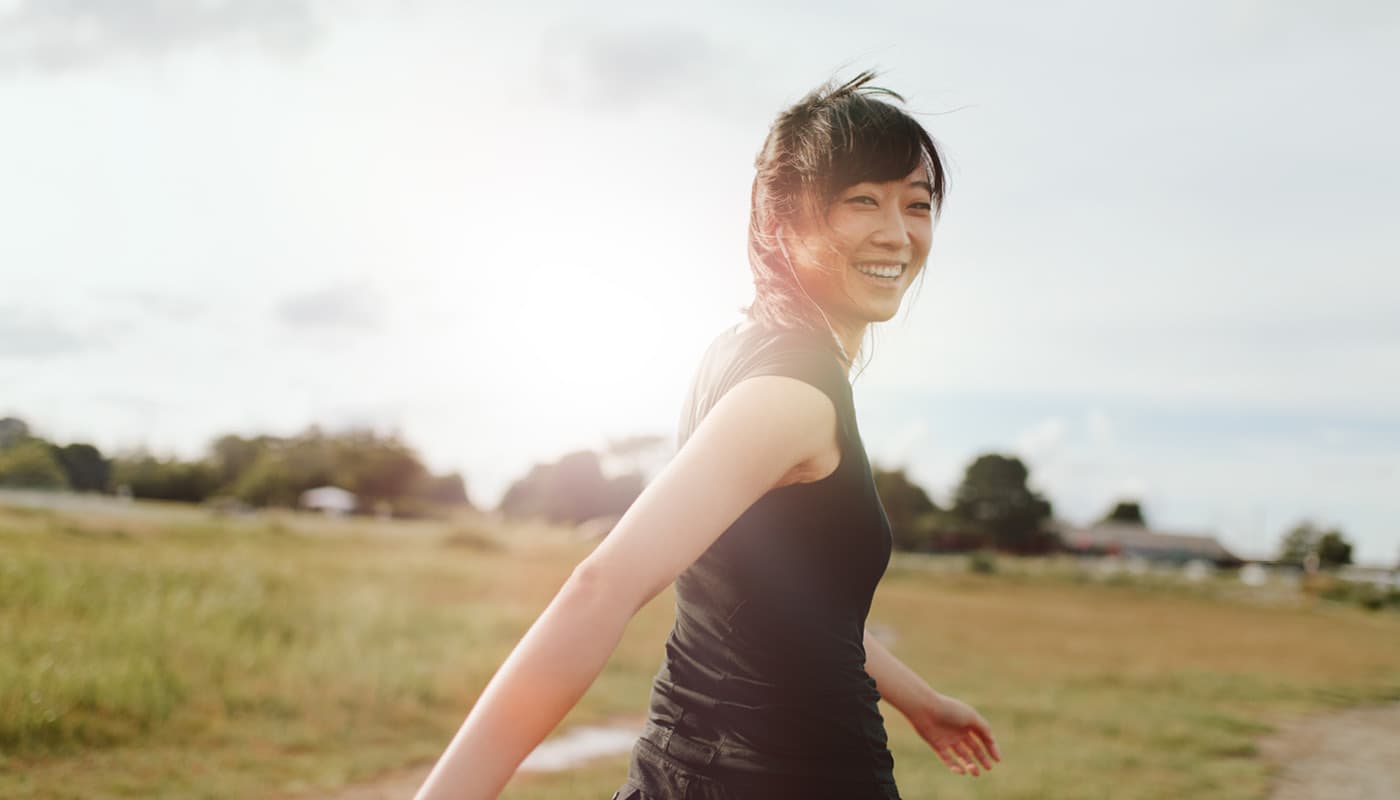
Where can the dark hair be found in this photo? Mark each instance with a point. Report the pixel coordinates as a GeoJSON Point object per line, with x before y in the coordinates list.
{"type": "Point", "coordinates": [833, 138]}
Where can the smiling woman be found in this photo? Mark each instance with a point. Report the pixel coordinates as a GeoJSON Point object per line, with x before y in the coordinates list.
{"type": "Point", "coordinates": [767, 519]}
{"type": "Point", "coordinates": [875, 241]}
{"type": "Point", "coordinates": [850, 185]}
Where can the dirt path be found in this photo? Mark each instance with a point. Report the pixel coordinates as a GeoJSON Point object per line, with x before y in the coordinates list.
{"type": "Point", "coordinates": [1342, 755]}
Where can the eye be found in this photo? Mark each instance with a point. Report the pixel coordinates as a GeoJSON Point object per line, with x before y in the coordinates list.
{"type": "Point", "coordinates": [861, 197]}
{"type": "Point", "coordinates": [922, 206]}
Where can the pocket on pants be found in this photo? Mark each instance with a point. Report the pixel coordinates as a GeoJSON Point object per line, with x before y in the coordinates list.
{"type": "Point", "coordinates": [653, 775]}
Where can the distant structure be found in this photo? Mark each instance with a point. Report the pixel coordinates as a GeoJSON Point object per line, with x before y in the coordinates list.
{"type": "Point", "coordinates": [332, 501]}
{"type": "Point", "coordinates": [1379, 577]}
{"type": "Point", "coordinates": [1129, 540]}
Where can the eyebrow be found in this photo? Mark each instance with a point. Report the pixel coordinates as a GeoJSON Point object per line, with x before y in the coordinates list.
{"type": "Point", "coordinates": [925, 185]}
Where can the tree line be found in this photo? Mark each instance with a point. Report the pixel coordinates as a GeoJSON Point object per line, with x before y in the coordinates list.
{"type": "Point", "coordinates": [993, 506]}
{"type": "Point", "coordinates": [381, 470]}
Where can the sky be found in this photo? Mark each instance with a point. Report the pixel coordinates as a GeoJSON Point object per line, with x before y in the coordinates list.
{"type": "Point", "coordinates": [1166, 268]}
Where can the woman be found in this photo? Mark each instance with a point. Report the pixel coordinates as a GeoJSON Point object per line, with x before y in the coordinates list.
{"type": "Point", "coordinates": [766, 519]}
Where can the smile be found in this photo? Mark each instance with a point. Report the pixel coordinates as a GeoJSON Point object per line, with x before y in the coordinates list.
{"type": "Point", "coordinates": [887, 271]}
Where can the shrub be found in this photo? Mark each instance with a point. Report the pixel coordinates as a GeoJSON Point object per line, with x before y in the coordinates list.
{"type": "Point", "coordinates": [982, 562]}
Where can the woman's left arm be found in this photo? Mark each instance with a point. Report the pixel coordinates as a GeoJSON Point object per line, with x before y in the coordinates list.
{"type": "Point", "coordinates": [956, 732]}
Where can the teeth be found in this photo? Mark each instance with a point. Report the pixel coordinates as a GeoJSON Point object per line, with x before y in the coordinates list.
{"type": "Point", "coordinates": [881, 270]}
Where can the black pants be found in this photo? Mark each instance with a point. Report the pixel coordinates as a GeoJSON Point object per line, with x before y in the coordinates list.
{"type": "Point", "coordinates": [667, 766]}
{"type": "Point", "coordinates": [654, 775]}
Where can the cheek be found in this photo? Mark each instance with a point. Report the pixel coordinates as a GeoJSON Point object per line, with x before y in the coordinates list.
{"type": "Point", "coordinates": [845, 238]}
{"type": "Point", "coordinates": [846, 226]}
{"type": "Point", "coordinates": [922, 237]}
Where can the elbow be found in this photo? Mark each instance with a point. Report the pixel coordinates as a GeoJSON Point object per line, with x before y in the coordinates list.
{"type": "Point", "coordinates": [588, 578]}
{"type": "Point", "coordinates": [595, 584]}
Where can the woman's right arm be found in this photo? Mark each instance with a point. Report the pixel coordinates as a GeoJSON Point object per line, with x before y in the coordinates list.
{"type": "Point", "coordinates": [759, 431]}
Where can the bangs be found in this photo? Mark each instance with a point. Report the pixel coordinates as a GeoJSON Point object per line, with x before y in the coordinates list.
{"type": "Point", "coordinates": [882, 144]}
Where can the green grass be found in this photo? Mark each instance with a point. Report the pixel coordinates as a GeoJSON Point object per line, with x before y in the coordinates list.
{"type": "Point", "coordinates": [156, 651]}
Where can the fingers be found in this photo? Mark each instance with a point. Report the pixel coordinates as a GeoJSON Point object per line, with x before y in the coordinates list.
{"type": "Point", "coordinates": [955, 755]}
{"type": "Point", "coordinates": [965, 751]}
{"type": "Point", "coordinates": [954, 764]}
{"type": "Point", "coordinates": [984, 733]}
{"type": "Point", "coordinates": [974, 744]}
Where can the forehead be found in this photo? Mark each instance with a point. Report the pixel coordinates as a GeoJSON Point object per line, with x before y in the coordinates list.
{"type": "Point", "coordinates": [918, 178]}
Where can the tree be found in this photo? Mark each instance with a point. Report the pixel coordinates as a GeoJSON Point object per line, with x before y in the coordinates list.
{"type": "Point", "coordinates": [449, 489]}
{"type": "Point", "coordinates": [1128, 512]}
{"type": "Point", "coordinates": [233, 455]}
{"type": "Point", "coordinates": [1333, 550]}
{"type": "Point", "coordinates": [572, 489]}
{"type": "Point", "coordinates": [1298, 542]}
{"type": "Point", "coordinates": [905, 503]}
{"type": "Point", "coordinates": [1331, 547]}
{"type": "Point", "coordinates": [269, 481]}
{"type": "Point", "coordinates": [12, 431]}
{"type": "Point", "coordinates": [644, 454]}
{"type": "Point", "coordinates": [31, 465]}
{"type": "Point", "coordinates": [154, 478]}
{"type": "Point", "coordinates": [83, 464]}
{"type": "Point", "coordinates": [995, 498]}
{"type": "Point", "coordinates": [379, 469]}
{"type": "Point", "coordinates": [387, 469]}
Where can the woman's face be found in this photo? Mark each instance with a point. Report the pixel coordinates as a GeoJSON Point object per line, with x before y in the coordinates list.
{"type": "Point", "coordinates": [878, 240]}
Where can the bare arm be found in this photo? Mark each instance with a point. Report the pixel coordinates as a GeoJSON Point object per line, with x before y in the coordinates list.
{"type": "Point", "coordinates": [956, 732]}
{"type": "Point", "coordinates": [761, 430]}
{"type": "Point", "coordinates": [544, 676]}
{"type": "Point", "coordinates": [897, 683]}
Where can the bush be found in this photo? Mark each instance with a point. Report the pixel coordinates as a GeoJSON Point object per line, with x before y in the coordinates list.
{"type": "Point", "coordinates": [31, 465]}
{"type": "Point", "coordinates": [152, 478]}
{"type": "Point", "coordinates": [983, 562]}
{"type": "Point", "coordinates": [1366, 595]}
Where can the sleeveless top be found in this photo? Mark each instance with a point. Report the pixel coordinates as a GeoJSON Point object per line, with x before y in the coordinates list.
{"type": "Point", "coordinates": [764, 670]}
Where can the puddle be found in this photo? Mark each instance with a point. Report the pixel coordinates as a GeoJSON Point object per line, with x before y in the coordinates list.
{"type": "Point", "coordinates": [580, 744]}
{"type": "Point", "coordinates": [884, 634]}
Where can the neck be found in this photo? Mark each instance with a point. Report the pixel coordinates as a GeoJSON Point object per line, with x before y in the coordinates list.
{"type": "Point", "coordinates": [850, 334]}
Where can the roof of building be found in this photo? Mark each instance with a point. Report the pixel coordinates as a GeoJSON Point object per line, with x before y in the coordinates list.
{"type": "Point", "coordinates": [1125, 535]}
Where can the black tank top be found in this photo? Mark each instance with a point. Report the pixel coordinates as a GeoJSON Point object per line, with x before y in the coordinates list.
{"type": "Point", "coordinates": [765, 666]}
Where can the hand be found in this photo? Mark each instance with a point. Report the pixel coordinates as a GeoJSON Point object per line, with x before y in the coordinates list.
{"type": "Point", "coordinates": [957, 733]}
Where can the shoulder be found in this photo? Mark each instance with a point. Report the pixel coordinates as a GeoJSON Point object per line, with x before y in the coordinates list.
{"type": "Point", "coordinates": [801, 356]}
{"type": "Point", "coordinates": [767, 342]}
{"type": "Point", "coordinates": [774, 422]}
{"type": "Point", "coordinates": [764, 378]}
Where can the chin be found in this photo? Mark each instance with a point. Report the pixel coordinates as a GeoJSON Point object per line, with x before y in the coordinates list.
{"type": "Point", "coordinates": [880, 314]}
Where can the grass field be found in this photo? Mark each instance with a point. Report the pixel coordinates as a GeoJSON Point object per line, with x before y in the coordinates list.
{"type": "Point", "coordinates": [158, 651]}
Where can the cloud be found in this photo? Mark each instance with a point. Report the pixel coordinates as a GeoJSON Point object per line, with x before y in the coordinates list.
{"type": "Point", "coordinates": [27, 336]}
{"type": "Point", "coordinates": [166, 306]}
{"type": "Point", "coordinates": [897, 450]}
{"type": "Point", "coordinates": [1130, 487]}
{"type": "Point", "coordinates": [1100, 427]}
{"type": "Point", "coordinates": [619, 70]}
{"type": "Point", "coordinates": [1043, 440]}
{"type": "Point", "coordinates": [67, 35]}
{"type": "Point", "coordinates": [341, 306]}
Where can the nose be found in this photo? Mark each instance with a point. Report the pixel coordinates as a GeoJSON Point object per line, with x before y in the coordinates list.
{"type": "Point", "coordinates": [892, 232]}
